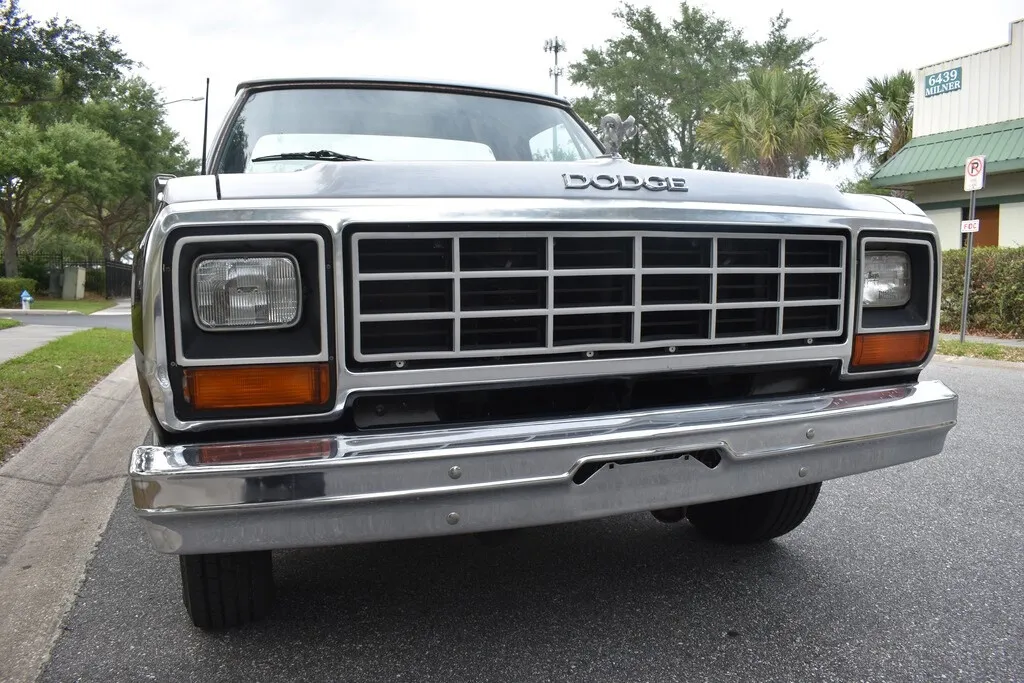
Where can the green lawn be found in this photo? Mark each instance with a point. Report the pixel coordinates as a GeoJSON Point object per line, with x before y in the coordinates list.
{"type": "Point", "coordinates": [951, 347]}
{"type": "Point", "coordinates": [39, 386]}
{"type": "Point", "coordinates": [81, 305]}
{"type": "Point", "coordinates": [7, 323]}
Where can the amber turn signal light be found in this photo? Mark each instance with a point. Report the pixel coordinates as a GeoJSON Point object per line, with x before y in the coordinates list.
{"type": "Point", "coordinates": [890, 348]}
{"type": "Point", "coordinates": [259, 386]}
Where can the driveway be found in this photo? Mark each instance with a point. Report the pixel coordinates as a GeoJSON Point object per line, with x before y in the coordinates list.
{"type": "Point", "coordinates": [908, 574]}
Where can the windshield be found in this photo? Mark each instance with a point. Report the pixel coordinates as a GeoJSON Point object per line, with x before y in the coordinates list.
{"type": "Point", "coordinates": [395, 125]}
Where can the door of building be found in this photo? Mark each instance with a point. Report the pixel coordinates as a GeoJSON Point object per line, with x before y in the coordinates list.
{"type": "Point", "coordinates": [988, 230]}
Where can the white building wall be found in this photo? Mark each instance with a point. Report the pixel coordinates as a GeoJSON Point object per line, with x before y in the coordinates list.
{"type": "Point", "coordinates": [999, 185]}
{"type": "Point", "coordinates": [948, 223]}
{"type": "Point", "coordinates": [992, 89]}
{"type": "Point", "coordinates": [1011, 224]}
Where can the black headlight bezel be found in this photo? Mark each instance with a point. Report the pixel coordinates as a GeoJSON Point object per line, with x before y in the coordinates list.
{"type": "Point", "coordinates": [309, 340]}
{"type": "Point", "coordinates": [919, 311]}
{"type": "Point", "coordinates": [916, 317]}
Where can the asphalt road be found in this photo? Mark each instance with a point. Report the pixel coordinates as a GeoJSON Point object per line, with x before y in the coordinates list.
{"type": "Point", "coordinates": [908, 574]}
{"type": "Point", "coordinates": [120, 322]}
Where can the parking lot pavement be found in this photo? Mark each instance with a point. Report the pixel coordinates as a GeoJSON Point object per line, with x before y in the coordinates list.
{"type": "Point", "coordinates": [907, 574]}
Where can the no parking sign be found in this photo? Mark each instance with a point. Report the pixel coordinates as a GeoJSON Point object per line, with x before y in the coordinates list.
{"type": "Point", "coordinates": [974, 173]}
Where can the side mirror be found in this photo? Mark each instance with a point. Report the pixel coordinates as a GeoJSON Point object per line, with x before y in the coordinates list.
{"type": "Point", "coordinates": [157, 191]}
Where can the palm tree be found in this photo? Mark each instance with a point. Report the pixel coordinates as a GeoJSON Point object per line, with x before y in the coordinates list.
{"type": "Point", "coordinates": [881, 117]}
{"type": "Point", "coordinates": [774, 121]}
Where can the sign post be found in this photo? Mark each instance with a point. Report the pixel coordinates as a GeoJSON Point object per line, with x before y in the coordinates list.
{"type": "Point", "coordinates": [974, 180]}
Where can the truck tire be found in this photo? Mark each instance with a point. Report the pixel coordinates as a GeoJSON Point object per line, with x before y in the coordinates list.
{"type": "Point", "coordinates": [754, 519]}
{"type": "Point", "coordinates": [225, 590]}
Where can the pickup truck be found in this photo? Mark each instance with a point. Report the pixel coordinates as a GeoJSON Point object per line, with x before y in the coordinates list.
{"type": "Point", "coordinates": [391, 309]}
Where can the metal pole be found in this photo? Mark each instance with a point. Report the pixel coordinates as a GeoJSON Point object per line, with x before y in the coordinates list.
{"type": "Point", "coordinates": [556, 63]}
{"type": "Point", "coordinates": [206, 123]}
{"type": "Point", "coordinates": [554, 131]}
{"type": "Point", "coordinates": [554, 46]}
{"type": "Point", "coordinates": [967, 273]}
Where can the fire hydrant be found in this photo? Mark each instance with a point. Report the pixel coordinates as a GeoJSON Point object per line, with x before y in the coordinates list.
{"type": "Point", "coordinates": [26, 300]}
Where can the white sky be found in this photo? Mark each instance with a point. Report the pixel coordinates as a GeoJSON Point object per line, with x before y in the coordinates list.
{"type": "Point", "coordinates": [182, 42]}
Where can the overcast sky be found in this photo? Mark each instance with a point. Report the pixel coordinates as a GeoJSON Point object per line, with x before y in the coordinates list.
{"type": "Point", "coordinates": [182, 42]}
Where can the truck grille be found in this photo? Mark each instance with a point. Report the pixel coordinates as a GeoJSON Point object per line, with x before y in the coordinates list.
{"type": "Point", "coordinates": [478, 295]}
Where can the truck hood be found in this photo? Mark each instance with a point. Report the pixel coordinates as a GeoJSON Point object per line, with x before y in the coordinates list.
{"type": "Point", "coordinates": [525, 180]}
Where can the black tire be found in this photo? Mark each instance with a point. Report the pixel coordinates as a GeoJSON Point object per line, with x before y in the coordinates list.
{"type": "Point", "coordinates": [754, 519]}
{"type": "Point", "coordinates": [225, 590]}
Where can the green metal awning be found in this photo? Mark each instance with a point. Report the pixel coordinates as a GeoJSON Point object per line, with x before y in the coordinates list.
{"type": "Point", "coordinates": [942, 156]}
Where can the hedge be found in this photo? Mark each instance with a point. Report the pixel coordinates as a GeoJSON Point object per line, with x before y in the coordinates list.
{"type": "Point", "coordinates": [96, 281]}
{"type": "Point", "coordinates": [11, 289]}
{"type": "Point", "coordinates": [996, 303]}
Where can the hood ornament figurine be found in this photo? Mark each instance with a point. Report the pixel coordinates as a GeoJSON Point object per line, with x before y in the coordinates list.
{"type": "Point", "coordinates": [613, 131]}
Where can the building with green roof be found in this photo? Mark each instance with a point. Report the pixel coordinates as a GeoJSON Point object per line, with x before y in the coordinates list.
{"type": "Point", "coordinates": [964, 107]}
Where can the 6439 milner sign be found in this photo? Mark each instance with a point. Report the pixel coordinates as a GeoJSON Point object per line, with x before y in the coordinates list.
{"type": "Point", "coordinates": [945, 81]}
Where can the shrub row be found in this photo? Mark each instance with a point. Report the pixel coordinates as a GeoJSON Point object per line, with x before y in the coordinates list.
{"type": "Point", "coordinates": [996, 303]}
{"type": "Point", "coordinates": [11, 289]}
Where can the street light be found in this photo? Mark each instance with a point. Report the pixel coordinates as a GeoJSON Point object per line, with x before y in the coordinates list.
{"type": "Point", "coordinates": [184, 99]}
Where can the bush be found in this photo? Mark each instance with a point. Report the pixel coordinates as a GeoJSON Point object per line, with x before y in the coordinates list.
{"type": "Point", "coordinates": [35, 269]}
{"type": "Point", "coordinates": [96, 281]}
{"type": "Point", "coordinates": [996, 303]}
{"type": "Point", "coordinates": [11, 288]}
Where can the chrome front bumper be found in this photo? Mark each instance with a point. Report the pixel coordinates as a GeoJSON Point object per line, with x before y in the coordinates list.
{"type": "Point", "coordinates": [427, 483]}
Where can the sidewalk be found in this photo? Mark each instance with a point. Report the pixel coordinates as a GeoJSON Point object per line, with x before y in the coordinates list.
{"type": "Point", "coordinates": [18, 341]}
{"type": "Point", "coordinates": [122, 307]}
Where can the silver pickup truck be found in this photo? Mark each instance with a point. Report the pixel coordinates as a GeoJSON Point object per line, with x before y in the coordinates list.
{"type": "Point", "coordinates": [394, 310]}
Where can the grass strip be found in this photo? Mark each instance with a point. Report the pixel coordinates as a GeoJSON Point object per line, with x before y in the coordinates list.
{"type": "Point", "coordinates": [37, 387]}
{"type": "Point", "coordinates": [8, 323]}
{"type": "Point", "coordinates": [950, 347]}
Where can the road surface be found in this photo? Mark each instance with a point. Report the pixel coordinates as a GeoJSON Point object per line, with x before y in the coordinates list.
{"type": "Point", "coordinates": [120, 322]}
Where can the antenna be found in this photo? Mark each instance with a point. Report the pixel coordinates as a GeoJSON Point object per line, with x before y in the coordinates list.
{"type": "Point", "coordinates": [555, 45]}
{"type": "Point", "coordinates": [206, 121]}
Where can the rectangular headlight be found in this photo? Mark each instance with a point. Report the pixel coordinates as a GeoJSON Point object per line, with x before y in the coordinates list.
{"type": "Point", "coordinates": [886, 279]}
{"type": "Point", "coordinates": [246, 292]}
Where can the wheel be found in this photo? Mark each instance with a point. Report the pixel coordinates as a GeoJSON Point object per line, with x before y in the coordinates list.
{"type": "Point", "coordinates": [225, 590]}
{"type": "Point", "coordinates": [756, 518]}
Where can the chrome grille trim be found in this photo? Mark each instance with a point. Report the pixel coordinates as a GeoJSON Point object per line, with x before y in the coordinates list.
{"type": "Point", "coordinates": [636, 308]}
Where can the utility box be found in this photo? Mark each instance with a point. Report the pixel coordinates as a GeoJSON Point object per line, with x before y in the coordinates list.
{"type": "Point", "coordinates": [74, 283]}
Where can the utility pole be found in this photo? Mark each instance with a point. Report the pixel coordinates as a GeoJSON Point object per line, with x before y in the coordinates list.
{"type": "Point", "coordinates": [555, 46]}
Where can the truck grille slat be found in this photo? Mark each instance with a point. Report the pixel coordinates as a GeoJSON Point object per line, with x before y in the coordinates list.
{"type": "Point", "coordinates": [463, 295]}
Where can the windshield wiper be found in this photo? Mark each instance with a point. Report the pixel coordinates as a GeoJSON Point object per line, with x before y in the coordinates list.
{"type": "Point", "coordinates": [323, 155]}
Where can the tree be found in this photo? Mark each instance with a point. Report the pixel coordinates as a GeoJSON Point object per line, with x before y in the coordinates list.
{"type": "Point", "coordinates": [781, 51]}
{"type": "Point", "coordinates": [774, 121]}
{"type": "Point", "coordinates": [52, 62]}
{"type": "Point", "coordinates": [862, 185]}
{"type": "Point", "coordinates": [881, 117]}
{"type": "Point", "coordinates": [41, 168]}
{"type": "Point", "coordinates": [663, 76]}
{"type": "Point", "coordinates": [116, 213]}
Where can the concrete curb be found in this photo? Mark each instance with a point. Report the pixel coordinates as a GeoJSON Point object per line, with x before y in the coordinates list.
{"type": "Point", "coordinates": [979, 362]}
{"type": "Point", "coordinates": [36, 311]}
{"type": "Point", "coordinates": [56, 496]}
